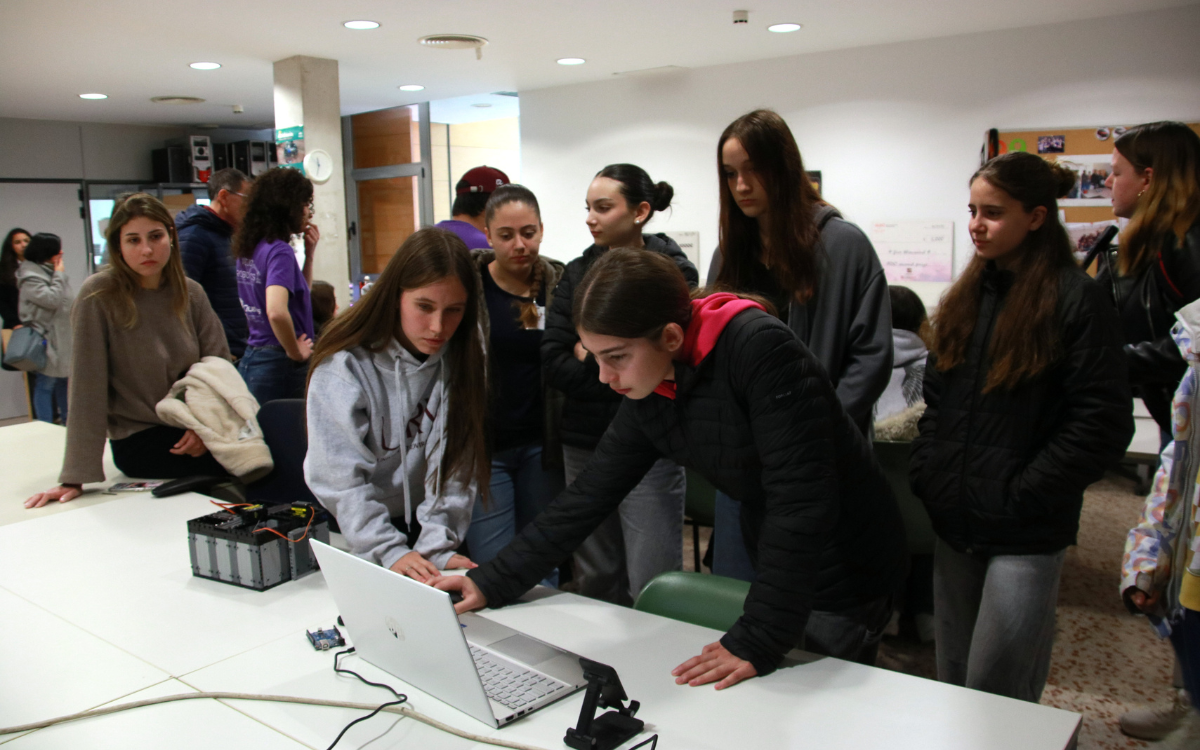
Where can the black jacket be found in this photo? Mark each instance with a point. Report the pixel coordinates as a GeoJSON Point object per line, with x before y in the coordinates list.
{"type": "Point", "coordinates": [204, 240]}
{"type": "Point", "coordinates": [1004, 472]}
{"type": "Point", "coordinates": [590, 405]}
{"type": "Point", "coordinates": [1147, 306]}
{"type": "Point", "coordinates": [760, 420]}
{"type": "Point", "coordinates": [847, 324]}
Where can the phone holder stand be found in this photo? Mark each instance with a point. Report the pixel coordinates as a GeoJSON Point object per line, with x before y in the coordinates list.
{"type": "Point", "coordinates": [612, 729]}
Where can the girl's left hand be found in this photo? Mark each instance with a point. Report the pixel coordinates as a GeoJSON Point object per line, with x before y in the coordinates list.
{"type": "Point", "coordinates": [714, 663]}
{"type": "Point", "coordinates": [459, 562]}
{"type": "Point", "coordinates": [190, 445]}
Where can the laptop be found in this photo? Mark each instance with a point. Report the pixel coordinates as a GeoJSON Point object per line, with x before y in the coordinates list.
{"type": "Point", "coordinates": [484, 669]}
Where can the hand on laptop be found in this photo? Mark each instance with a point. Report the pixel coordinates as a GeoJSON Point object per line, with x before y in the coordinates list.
{"type": "Point", "coordinates": [416, 567]}
{"type": "Point", "coordinates": [714, 663]}
{"type": "Point", "coordinates": [472, 597]}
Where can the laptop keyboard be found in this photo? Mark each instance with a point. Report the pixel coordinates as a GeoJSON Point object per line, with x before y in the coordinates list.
{"type": "Point", "coordinates": [510, 685]}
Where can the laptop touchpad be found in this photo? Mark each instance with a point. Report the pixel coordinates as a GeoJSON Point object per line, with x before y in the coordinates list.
{"type": "Point", "coordinates": [524, 649]}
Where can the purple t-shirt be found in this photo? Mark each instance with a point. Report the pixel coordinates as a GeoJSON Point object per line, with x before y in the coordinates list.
{"type": "Point", "coordinates": [273, 264]}
{"type": "Point", "coordinates": [474, 238]}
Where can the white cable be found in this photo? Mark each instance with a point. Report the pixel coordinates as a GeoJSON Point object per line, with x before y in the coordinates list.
{"type": "Point", "coordinates": [403, 710]}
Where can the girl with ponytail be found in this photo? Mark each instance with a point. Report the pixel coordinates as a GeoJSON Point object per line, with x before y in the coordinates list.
{"type": "Point", "coordinates": [1028, 403]}
{"type": "Point", "coordinates": [516, 285]}
{"type": "Point", "coordinates": [721, 386]}
{"type": "Point", "coordinates": [645, 537]}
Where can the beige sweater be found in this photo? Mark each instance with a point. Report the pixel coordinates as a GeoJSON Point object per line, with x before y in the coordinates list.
{"type": "Point", "coordinates": [119, 374]}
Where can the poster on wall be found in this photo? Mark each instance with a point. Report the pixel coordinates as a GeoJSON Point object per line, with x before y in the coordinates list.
{"type": "Point", "coordinates": [289, 146]}
{"type": "Point", "coordinates": [1091, 171]}
{"type": "Point", "coordinates": [689, 243]}
{"type": "Point", "coordinates": [914, 250]}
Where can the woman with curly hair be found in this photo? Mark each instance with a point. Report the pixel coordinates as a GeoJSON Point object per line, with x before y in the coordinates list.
{"type": "Point", "coordinates": [12, 252]}
{"type": "Point", "coordinates": [137, 324]}
{"type": "Point", "coordinates": [274, 289]}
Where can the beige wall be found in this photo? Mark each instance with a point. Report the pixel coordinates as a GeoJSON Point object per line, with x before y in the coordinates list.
{"type": "Point", "coordinates": [457, 148]}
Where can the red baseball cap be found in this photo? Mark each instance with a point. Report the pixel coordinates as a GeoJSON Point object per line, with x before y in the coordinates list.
{"type": "Point", "coordinates": [481, 180]}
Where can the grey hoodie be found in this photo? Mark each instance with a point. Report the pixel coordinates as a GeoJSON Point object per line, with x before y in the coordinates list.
{"type": "Point", "coordinates": [908, 375]}
{"type": "Point", "coordinates": [376, 437]}
{"type": "Point", "coordinates": [45, 303]}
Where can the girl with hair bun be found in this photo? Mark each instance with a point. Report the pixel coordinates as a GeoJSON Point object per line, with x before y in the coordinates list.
{"type": "Point", "coordinates": [781, 240]}
{"type": "Point", "coordinates": [1027, 404]}
{"type": "Point", "coordinates": [645, 537]}
{"type": "Point", "coordinates": [516, 285]}
{"type": "Point", "coordinates": [721, 386]}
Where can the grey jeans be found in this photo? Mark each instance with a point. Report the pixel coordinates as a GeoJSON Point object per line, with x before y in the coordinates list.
{"type": "Point", "coordinates": [851, 634]}
{"type": "Point", "coordinates": [994, 620]}
{"type": "Point", "coordinates": [642, 538]}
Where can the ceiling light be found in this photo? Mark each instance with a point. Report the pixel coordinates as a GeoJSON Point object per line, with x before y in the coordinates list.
{"type": "Point", "coordinates": [176, 100]}
{"type": "Point", "coordinates": [205, 66]}
{"type": "Point", "coordinates": [361, 25]}
{"type": "Point", "coordinates": [783, 28]}
{"type": "Point", "coordinates": [481, 105]}
{"type": "Point", "coordinates": [412, 87]}
{"type": "Point", "coordinates": [571, 61]}
{"type": "Point", "coordinates": [93, 96]}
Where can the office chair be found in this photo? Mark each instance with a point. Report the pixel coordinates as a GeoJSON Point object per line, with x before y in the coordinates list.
{"type": "Point", "coordinates": [711, 601]}
{"type": "Point", "coordinates": [699, 507]}
{"type": "Point", "coordinates": [286, 433]}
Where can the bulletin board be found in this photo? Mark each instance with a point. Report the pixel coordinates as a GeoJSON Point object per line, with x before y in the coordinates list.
{"type": "Point", "coordinates": [1086, 151]}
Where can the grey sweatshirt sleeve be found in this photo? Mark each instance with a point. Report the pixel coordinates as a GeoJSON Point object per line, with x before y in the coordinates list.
{"type": "Point", "coordinates": [444, 519]}
{"type": "Point", "coordinates": [339, 465]}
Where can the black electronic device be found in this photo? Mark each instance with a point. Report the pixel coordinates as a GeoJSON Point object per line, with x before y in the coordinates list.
{"type": "Point", "coordinates": [613, 728]}
{"type": "Point", "coordinates": [257, 547]}
{"type": "Point", "coordinates": [220, 157]}
{"type": "Point", "coordinates": [197, 483]}
{"type": "Point", "coordinates": [324, 639]}
{"type": "Point", "coordinates": [172, 164]}
{"type": "Point", "coordinates": [251, 157]}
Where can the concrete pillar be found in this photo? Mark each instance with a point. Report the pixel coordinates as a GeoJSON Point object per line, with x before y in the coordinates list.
{"type": "Point", "coordinates": [306, 93]}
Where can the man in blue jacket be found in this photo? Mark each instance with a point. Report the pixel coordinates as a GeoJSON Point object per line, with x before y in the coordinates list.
{"type": "Point", "coordinates": [205, 234]}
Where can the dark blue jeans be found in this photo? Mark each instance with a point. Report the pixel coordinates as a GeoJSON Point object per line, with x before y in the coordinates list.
{"type": "Point", "coordinates": [519, 490]}
{"type": "Point", "coordinates": [270, 374]}
{"type": "Point", "coordinates": [47, 392]}
{"type": "Point", "coordinates": [1185, 637]}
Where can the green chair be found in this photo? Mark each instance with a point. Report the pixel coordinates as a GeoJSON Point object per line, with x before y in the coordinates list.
{"type": "Point", "coordinates": [701, 599]}
{"type": "Point", "coordinates": [918, 529]}
{"type": "Point", "coordinates": [700, 502]}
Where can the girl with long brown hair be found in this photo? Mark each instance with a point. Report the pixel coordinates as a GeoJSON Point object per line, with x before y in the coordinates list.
{"type": "Point", "coordinates": [136, 325]}
{"type": "Point", "coordinates": [1028, 403]}
{"type": "Point", "coordinates": [780, 240]}
{"type": "Point", "coordinates": [719, 385]}
{"type": "Point", "coordinates": [397, 401]}
{"type": "Point", "coordinates": [516, 286]}
{"type": "Point", "coordinates": [1155, 183]}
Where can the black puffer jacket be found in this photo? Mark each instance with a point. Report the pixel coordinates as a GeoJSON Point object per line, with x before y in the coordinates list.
{"type": "Point", "coordinates": [590, 405]}
{"type": "Point", "coordinates": [1147, 306]}
{"type": "Point", "coordinates": [759, 419]}
{"type": "Point", "coordinates": [204, 240]}
{"type": "Point", "coordinates": [1004, 472]}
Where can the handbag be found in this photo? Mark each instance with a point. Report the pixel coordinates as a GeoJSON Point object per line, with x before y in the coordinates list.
{"type": "Point", "coordinates": [26, 350]}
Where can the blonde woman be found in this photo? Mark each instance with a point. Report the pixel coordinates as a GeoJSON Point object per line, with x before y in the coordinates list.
{"type": "Point", "coordinates": [138, 324]}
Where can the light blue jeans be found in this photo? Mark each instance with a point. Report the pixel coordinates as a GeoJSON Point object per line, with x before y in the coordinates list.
{"type": "Point", "coordinates": [520, 489]}
{"type": "Point", "coordinates": [643, 538]}
{"type": "Point", "coordinates": [48, 391]}
{"type": "Point", "coordinates": [994, 620]}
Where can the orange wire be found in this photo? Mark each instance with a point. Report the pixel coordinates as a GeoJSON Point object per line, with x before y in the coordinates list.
{"type": "Point", "coordinates": [312, 514]}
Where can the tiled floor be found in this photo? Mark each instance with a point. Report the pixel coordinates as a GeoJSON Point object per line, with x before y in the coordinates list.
{"type": "Point", "coordinates": [1106, 661]}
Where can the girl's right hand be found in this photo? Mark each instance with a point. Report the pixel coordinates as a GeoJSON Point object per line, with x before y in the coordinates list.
{"type": "Point", "coordinates": [60, 493]}
{"type": "Point", "coordinates": [1143, 601]}
{"type": "Point", "coordinates": [416, 567]}
{"type": "Point", "coordinates": [59, 265]}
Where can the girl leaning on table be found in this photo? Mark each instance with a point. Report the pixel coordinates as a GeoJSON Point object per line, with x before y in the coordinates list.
{"type": "Point", "coordinates": [721, 386]}
{"type": "Point", "coordinates": [1027, 403]}
{"type": "Point", "coordinates": [397, 400]}
{"type": "Point", "coordinates": [137, 325]}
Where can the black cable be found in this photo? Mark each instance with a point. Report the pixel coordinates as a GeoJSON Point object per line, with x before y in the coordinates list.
{"type": "Point", "coordinates": [653, 738]}
{"type": "Point", "coordinates": [401, 698]}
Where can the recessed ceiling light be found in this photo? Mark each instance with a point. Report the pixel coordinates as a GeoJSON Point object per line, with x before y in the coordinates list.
{"type": "Point", "coordinates": [481, 105]}
{"type": "Point", "coordinates": [93, 96]}
{"type": "Point", "coordinates": [412, 87]}
{"type": "Point", "coordinates": [205, 66]}
{"type": "Point", "coordinates": [571, 61]}
{"type": "Point", "coordinates": [783, 28]}
{"type": "Point", "coordinates": [361, 25]}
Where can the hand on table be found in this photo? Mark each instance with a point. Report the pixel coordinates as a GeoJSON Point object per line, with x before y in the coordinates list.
{"type": "Point", "coordinates": [60, 493]}
{"type": "Point", "coordinates": [190, 445]}
{"type": "Point", "coordinates": [714, 663]}
{"type": "Point", "coordinates": [460, 562]}
{"type": "Point", "coordinates": [416, 567]}
{"type": "Point", "coordinates": [472, 597]}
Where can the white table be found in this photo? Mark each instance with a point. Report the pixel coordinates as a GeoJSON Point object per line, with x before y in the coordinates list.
{"type": "Point", "coordinates": [99, 606]}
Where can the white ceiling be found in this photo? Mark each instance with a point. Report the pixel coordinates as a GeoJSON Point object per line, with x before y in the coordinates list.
{"type": "Point", "coordinates": [53, 50]}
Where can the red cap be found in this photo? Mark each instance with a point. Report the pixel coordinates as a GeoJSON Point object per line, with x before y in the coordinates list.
{"type": "Point", "coordinates": [481, 180]}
